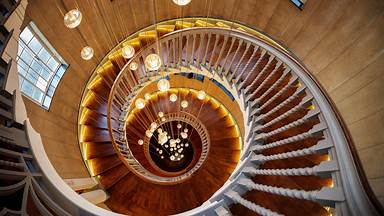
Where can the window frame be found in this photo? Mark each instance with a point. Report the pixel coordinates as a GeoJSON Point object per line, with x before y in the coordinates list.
{"type": "Point", "coordinates": [46, 72]}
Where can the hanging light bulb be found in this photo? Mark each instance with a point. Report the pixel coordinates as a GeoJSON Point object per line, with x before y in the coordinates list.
{"type": "Point", "coordinates": [72, 18]}
{"type": "Point", "coordinates": [148, 133]}
{"type": "Point", "coordinates": [152, 62]}
{"type": "Point", "coordinates": [133, 66]}
{"type": "Point", "coordinates": [184, 104]}
{"type": "Point", "coordinates": [201, 95]}
{"type": "Point", "coordinates": [140, 142]}
{"type": "Point", "coordinates": [147, 96]}
{"type": "Point", "coordinates": [179, 125]}
{"type": "Point", "coordinates": [181, 2]}
{"type": "Point", "coordinates": [163, 85]}
{"type": "Point", "coordinates": [128, 51]}
{"type": "Point", "coordinates": [140, 103]}
{"type": "Point", "coordinates": [173, 97]}
{"type": "Point", "coordinates": [87, 53]}
{"type": "Point", "coordinates": [154, 125]}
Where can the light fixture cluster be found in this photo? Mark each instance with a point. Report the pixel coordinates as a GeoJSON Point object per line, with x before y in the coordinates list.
{"type": "Point", "coordinates": [171, 145]}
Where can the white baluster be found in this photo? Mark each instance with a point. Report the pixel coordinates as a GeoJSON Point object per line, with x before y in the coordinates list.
{"type": "Point", "coordinates": [314, 131]}
{"type": "Point", "coordinates": [267, 66]}
{"type": "Point", "coordinates": [250, 205]}
{"type": "Point", "coordinates": [321, 147]}
{"type": "Point", "coordinates": [323, 168]}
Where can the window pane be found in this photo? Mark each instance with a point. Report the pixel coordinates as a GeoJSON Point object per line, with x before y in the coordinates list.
{"type": "Point", "coordinates": [26, 57]}
{"type": "Point", "coordinates": [44, 55]}
{"type": "Point", "coordinates": [45, 74]}
{"type": "Point", "coordinates": [26, 35]}
{"type": "Point", "coordinates": [27, 88]}
{"type": "Point", "coordinates": [32, 76]}
{"type": "Point", "coordinates": [35, 45]}
{"type": "Point", "coordinates": [41, 83]}
{"type": "Point", "coordinates": [36, 66]}
{"type": "Point", "coordinates": [21, 70]}
{"type": "Point", "coordinates": [47, 101]}
{"type": "Point", "coordinates": [52, 64]}
{"type": "Point", "coordinates": [38, 95]}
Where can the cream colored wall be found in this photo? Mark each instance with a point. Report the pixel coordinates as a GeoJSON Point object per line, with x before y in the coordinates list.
{"type": "Point", "coordinates": [341, 42]}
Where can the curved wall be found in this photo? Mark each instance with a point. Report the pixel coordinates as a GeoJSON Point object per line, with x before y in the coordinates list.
{"type": "Point", "coordinates": [341, 42]}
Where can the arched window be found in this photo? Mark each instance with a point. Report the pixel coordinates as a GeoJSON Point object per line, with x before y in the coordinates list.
{"type": "Point", "coordinates": [40, 67]}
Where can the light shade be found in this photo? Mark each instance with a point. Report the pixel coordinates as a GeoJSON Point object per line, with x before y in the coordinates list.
{"type": "Point", "coordinates": [140, 103]}
{"type": "Point", "coordinates": [163, 85]}
{"type": "Point", "coordinates": [140, 142]}
{"type": "Point", "coordinates": [87, 53]}
{"type": "Point", "coordinates": [181, 2]}
{"type": "Point", "coordinates": [128, 51]}
{"type": "Point", "coordinates": [152, 62]}
{"type": "Point", "coordinates": [184, 104]}
{"type": "Point", "coordinates": [72, 18]}
{"type": "Point", "coordinates": [173, 97]}
{"type": "Point", "coordinates": [133, 66]}
{"type": "Point", "coordinates": [201, 95]}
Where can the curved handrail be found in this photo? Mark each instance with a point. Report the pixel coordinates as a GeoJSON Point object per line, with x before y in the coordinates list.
{"type": "Point", "coordinates": [348, 177]}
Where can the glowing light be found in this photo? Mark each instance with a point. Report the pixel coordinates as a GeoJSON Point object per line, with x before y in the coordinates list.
{"type": "Point", "coordinates": [186, 130]}
{"type": "Point", "coordinates": [163, 119]}
{"type": "Point", "coordinates": [161, 114]}
{"type": "Point", "coordinates": [201, 95]}
{"type": "Point", "coordinates": [140, 103]}
{"type": "Point", "coordinates": [152, 62]}
{"type": "Point", "coordinates": [148, 133]}
{"type": "Point", "coordinates": [72, 18]}
{"type": "Point", "coordinates": [163, 85]}
{"type": "Point", "coordinates": [133, 66]}
{"type": "Point", "coordinates": [86, 53]}
{"type": "Point", "coordinates": [173, 97]}
{"type": "Point", "coordinates": [179, 126]}
{"type": "Point", "coordinates": [154, 125]}
{"type": "Point", "coordinates": [128, 51]}
{"type": "Point", "coordinates": [184, 104]}
{"type": "Point", "coordinates": [140, 142]}
{"type": "Point", "coordinates": [183, 135]}
{"type": "Point", "coordinates": [181, 2]}
{"type": "Point", "coordinates": [147, 96]}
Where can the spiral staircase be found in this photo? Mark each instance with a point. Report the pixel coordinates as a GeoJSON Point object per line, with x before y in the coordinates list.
{"type": "Point", "coordinates": [276, 144]}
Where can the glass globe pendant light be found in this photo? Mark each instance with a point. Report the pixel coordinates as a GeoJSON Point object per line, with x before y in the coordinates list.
{"type": "Point", "coordinates": [163, 85]}
{"type": "Point", "coordinates": [152, 62]}
{"type": "Point", "coordinates": [173, 97]}
{"type": "Point", "coordinates": [72, 18]}
{"type": "Point", "coordinates": [133, 66]}
{"type": "Point", "coordinates": [128, 51]}
{"type": "Point", "coordinates": [140, 103]}
{"type": "Point", "coordinates": [201, 95]}
{"type": "Point", "coordinates": [87, 53]}
{"type": "Point", "coordinates": [181, 2]}
{"type": "Point", "coordinates": [184, 104]}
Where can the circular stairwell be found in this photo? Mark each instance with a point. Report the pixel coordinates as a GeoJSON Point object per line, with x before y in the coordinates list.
{"type": "Point", "coordinates": [287, 162]}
